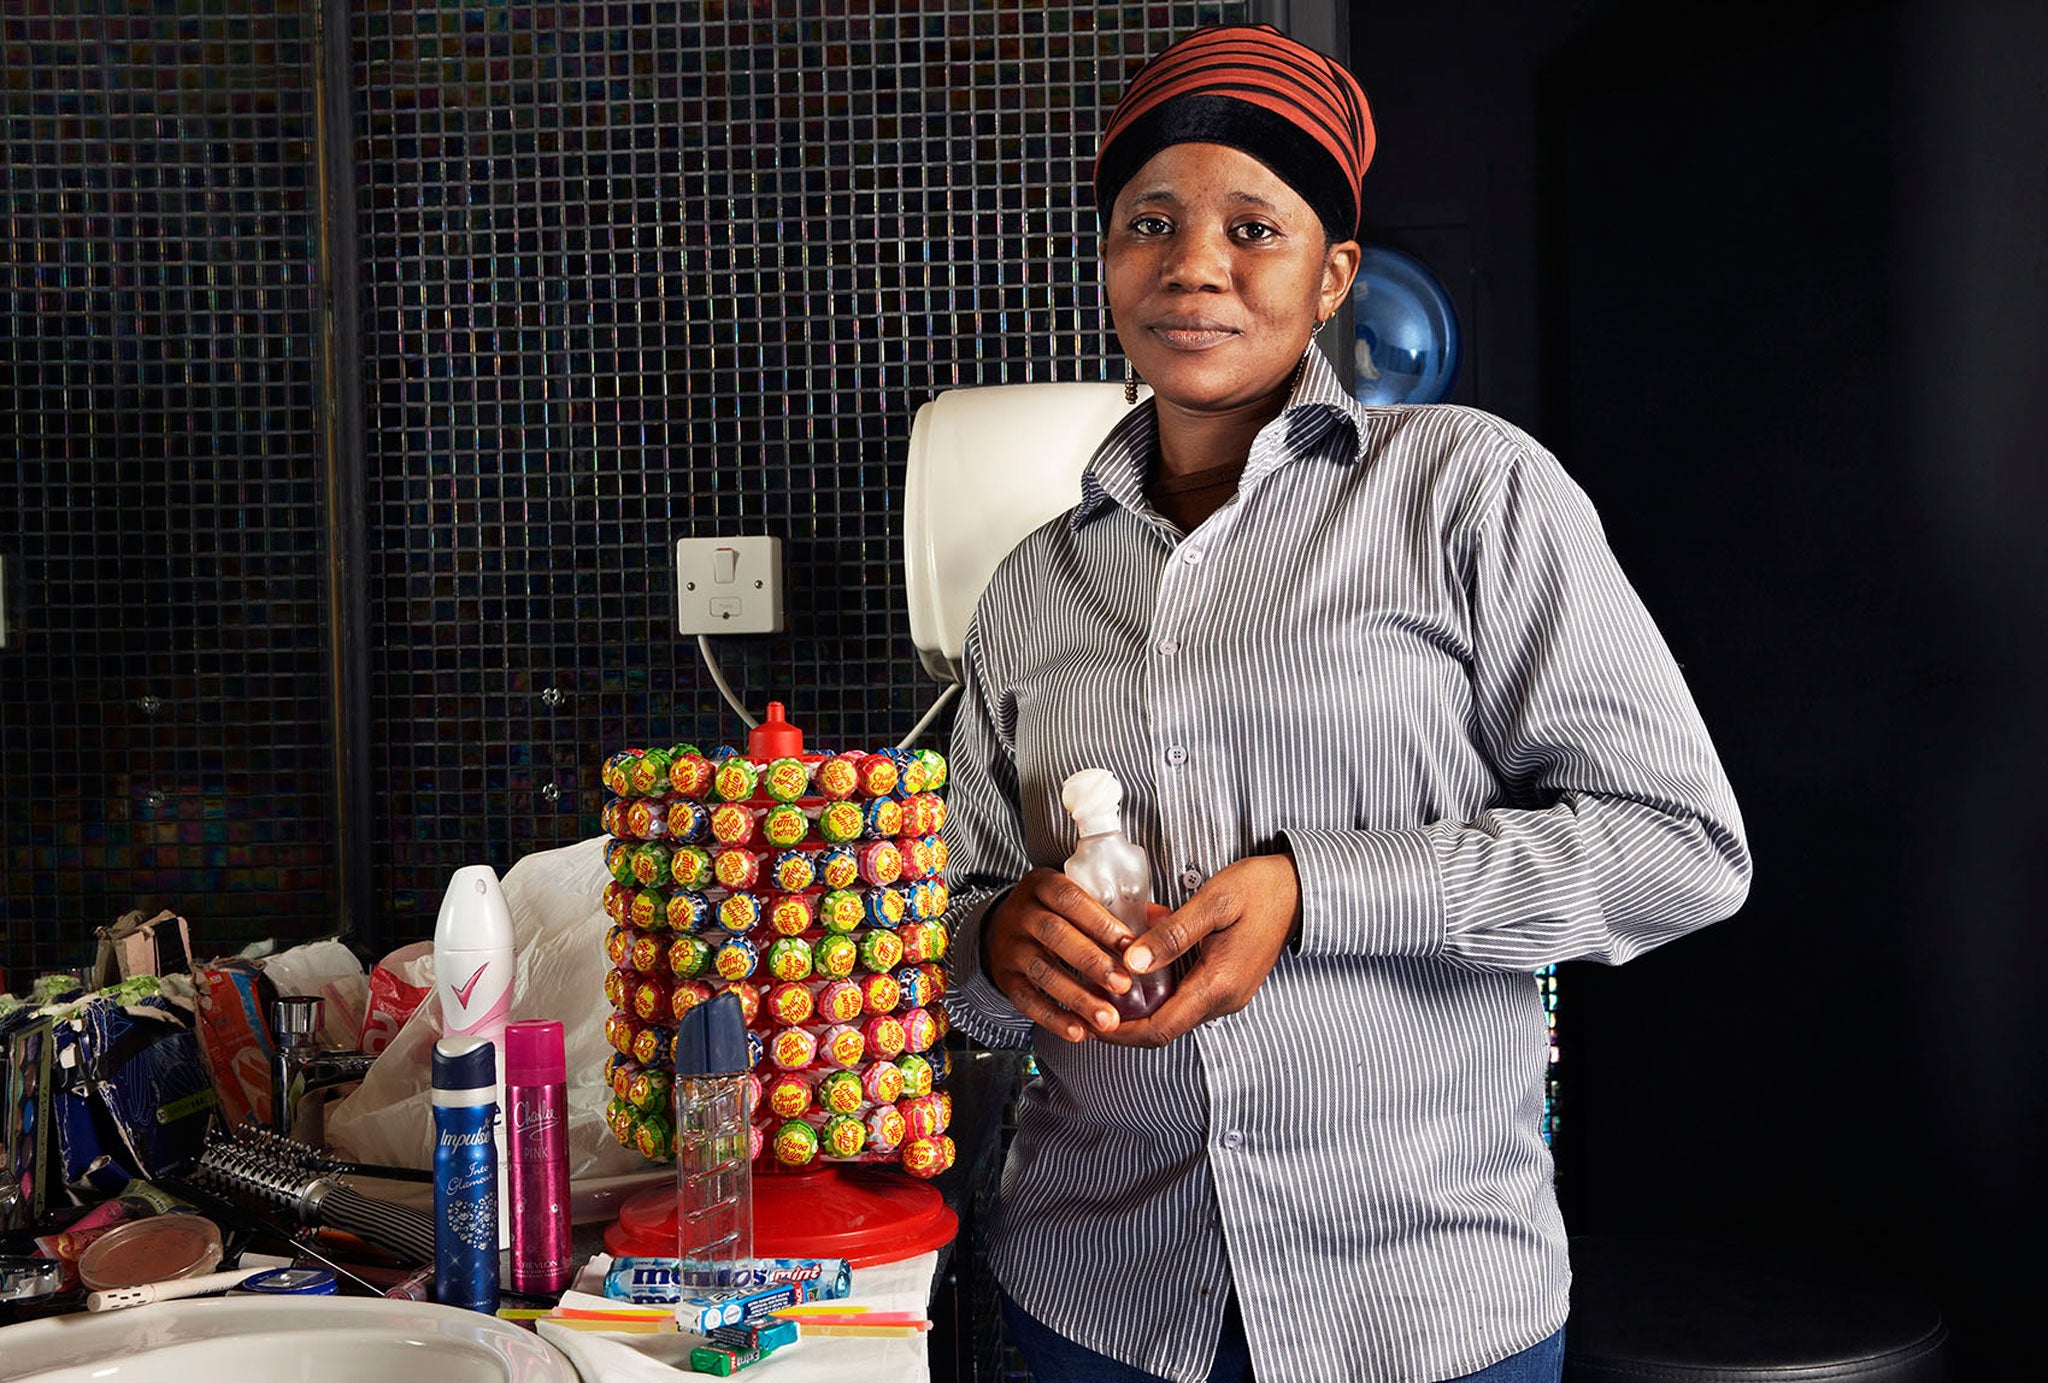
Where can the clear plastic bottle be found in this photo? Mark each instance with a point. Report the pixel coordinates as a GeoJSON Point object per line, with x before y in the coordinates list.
{"type": "Point", "coordinates": [714, 1166]}
{"type": "Point", "coordinates": [1115, 872]}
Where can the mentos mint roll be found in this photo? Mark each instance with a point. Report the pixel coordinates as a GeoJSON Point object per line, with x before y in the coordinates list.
{"type": "Point", "coordinates": [465, 1174]}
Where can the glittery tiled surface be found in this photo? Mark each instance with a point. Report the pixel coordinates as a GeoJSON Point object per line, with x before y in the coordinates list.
{"type": "Point", "coordinates": [627, 272]}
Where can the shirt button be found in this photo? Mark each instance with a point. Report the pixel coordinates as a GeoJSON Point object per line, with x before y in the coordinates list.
{"type": "Point", "coordinates": [1177, 755]}
{"type": "Point", "coordinates": [1191, 877]}
{"type": "Point", "coordinates": [1167, 647]}
{"type": "Point", "coordinates": [1232, 1141]}
{"type": "Point", "coordinates": [1192, 556]}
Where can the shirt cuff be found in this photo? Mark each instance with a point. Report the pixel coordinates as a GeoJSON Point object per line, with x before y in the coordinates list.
{"type": "Point", "coordinates": [1368, 893]}
{"type": "Point", "coordinates": [976, 1006]}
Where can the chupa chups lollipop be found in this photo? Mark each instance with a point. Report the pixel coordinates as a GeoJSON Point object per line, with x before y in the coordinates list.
{"type": "Point", "coordinates": [838, 778]}
{"type": "Point", "coordinates": [618, 901]}
{"type": "Point", "coordinates": [881, 818]}
{"type": "Point", "coordinates": [788, 1094]}
{"type": "Point", "coordinates": [941, 1060]}
{"type": "Point", "coordinates": [687, 957]}
{"type": "Point", "coordinates": [885, 1129]}
{"type": "Point", "coordinates": [789, 914]}
{"type": "Point", "coordinates": [840, 822]}
{"type": "Point", "coordinates": [794, 871]}
{"type": "Point", "coordinates": [689, 775]}
{"type": "Point", "coordinates": [736, 958]}
{"type": "Point", "coordinates": [925, 1157]}
{"type": "Point", "coordinates": [734, 823]}
{"type": "Point", "coordinates": [650, 1044]}
{"type": "Point", "coordinates": [688, 822]}
{"type": "Point", "coordinates": [842, 1045]}
{"type": "Point", "coordinates": [649, 1089]}
{"type": "Point", "coordinates": [878, 775]}
{"type": "Point", "coordinates": [796, 1144]}
{"type": "Point", "coordinates": [650, 864]}
{"type": "Point", "coordinates": [688, 911]}
{"type": "Point", "coordinates": [843, 1136]}
{"type": "Point", "coordinates": [882, 1082]}
{"type": "Point", "coordinates": [790, 1003]}
{"type": "Point", "coordinates": [786, 780]}
{"type": "Point", "coordinates": [617, 773]}
{"type": "Point", "coordinates": [838, 867]}
{"type": "Point", "coordinates": [649, 910]}
{"type": "Point", "coordinates": [834, 957]}
{"type": "Point", "coordinates": [618, 1117]}
{"type": "Point", "coordinates": [756, 1140]}
{"type": "Point", "coordinates": [685, 995]}
{"type": "Point", "coordinates": [839, 1092]}
{"type": "Point", "coordinates": [918, 942]}
{"type": "Point", "coordinates": [618, 944]}
{"type": "Point", "coordinates": [690, 867]}
{"type": "Point", "coordinates": [618, 1069]}
{"type": "Point", "coordinates": [910, 980]}
{"type": "Point", "coordinates": [654, 1138]}
{"type": "Point", "coordinates": [620, 1030]}
{"type": "Point", "coordinates": [789, 958]}
{"type": "Point", "coordinates": [792, 1049]}
{"type": "Point", "coordinates": [917, 1074]}
{"type": "Point", "coordinates": [618, 859]}
{"type": "Point", "coordinates": [879, 951]}
{"type": "Point", "coordinates": [645, 820]}
{"type": "Point", "coordinates": [784, 826]}
{"type": "Point", "coordinates": [919, 1031]}
{"type": "Point", "coordinates": [911, 777]}
{"type": "Point", "coordinates": [883, 1035]}
{"type": "Point", "coordinates": [736, 867]}
{"type": "Point", "coordinates": [879, 862]}
{"type": "Point", "coordinates": [913, 858]}
{"type": "Point", "coordinates": [734, 779]}
{"type": "Point", "coordinates": [618, 987]}
{"type": "Point", "coordinates": [757, 1049]}
{"type": "Point", "coordinates": [648, 775]}
{"type": "Point", "coordinates": [879, 994]}
{"type": "Point", "coordinates": [650, 999]}
{"type": "Point", "coordinates": [882, 907]}
{"type": "Point", "coordinates": [934, 769]}
{"type": "Point", "coordinates": [935, 851]}
{"type": "Point", "coordinates": [753, 1093]}
{"type": "Point", "coordinates": [839, 1001]}
{"type": "Point", "coordinates": [921, 1116]}
{"type": "Point", "coordinates": [647, 954]}
{"type": "Point", "coordinates": [739, 912]}
{"type": "Point", "coordinates": [841, 910]}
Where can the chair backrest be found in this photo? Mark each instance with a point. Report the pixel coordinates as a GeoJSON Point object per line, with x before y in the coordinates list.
{"type": "Point", "coordinates": [987, 466]}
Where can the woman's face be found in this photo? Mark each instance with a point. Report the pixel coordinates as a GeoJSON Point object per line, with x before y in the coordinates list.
{"type": "Point", "coordinates": [1217, 275]}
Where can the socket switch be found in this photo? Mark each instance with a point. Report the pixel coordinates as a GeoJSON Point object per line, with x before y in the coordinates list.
{"type": "Point", "coordinates": [729, 585]}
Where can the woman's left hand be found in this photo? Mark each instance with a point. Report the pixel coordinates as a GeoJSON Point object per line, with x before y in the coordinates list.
{"type": "Point", "coordinates": [1241, 918]}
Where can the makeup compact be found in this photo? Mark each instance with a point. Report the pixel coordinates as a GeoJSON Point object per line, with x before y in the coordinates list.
{"type": "Point", "coordinates": [161, 1248]}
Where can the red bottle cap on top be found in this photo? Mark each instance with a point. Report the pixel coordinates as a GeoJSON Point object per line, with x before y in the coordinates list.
{"type": "Point", "coordinates": [533, 1053]}
{"type": "Point", "coordinates": [775, 738]}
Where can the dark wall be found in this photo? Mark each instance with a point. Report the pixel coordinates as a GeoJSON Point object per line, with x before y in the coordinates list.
{"type": "Point", "coordinates": [1768, 280]}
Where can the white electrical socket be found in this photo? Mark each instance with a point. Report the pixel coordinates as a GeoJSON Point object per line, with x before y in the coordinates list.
{"type": "Point", "coordinates": [729, 585]}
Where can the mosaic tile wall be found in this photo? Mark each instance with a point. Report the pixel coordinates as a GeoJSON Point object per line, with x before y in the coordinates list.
{"type": "Point", "coordinates": [635, 273]}
{"type": "Point", "coordinates": [627, 272]}
{"type": "Point", "coordinates": [164, 727]}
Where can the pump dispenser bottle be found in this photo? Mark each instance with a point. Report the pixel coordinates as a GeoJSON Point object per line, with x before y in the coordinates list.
{"type": "Point", "coordinates": [1115, 872]}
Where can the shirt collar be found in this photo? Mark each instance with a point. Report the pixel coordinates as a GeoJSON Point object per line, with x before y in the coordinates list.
{"type": "Point", "coordinates": [1322, 419]}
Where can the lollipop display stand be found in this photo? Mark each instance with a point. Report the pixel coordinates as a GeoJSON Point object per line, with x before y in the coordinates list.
{"type": "Point", "coordinates": [864, 1215]}
{"type": "Point", "coordinates": [811, 886]}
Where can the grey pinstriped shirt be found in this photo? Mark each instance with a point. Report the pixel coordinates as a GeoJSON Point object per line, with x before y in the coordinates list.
{"type": "Point", "coordinates": [1404, 653]}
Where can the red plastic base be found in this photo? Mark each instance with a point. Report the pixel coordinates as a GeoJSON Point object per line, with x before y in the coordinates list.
{"type": "Point", "coordinates": [866, 1215]}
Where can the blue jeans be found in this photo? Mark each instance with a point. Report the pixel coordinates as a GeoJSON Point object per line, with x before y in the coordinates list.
{"type": "Point", "coordinates": [1053, 1358]}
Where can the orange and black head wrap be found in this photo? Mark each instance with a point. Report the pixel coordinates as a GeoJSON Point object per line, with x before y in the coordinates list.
{"type": "Point", "coordinates": [1254, 89]}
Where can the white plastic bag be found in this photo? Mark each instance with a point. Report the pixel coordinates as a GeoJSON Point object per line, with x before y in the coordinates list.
{"type": "Point", "coordinates": [558, 925]}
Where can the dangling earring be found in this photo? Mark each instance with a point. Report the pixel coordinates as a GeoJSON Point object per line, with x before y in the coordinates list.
{"type": "Point", "coordinates": [1130, 384]}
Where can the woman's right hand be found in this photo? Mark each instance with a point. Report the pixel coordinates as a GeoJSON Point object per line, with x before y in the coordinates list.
{"type": "Point", "coordinates": [1053, 951]}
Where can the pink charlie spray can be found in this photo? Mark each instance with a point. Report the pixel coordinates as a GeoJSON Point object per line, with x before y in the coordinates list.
{"type": "Point", "coordinates": [473, 969]}
{"type": "Point", "coordinates": [537, 1092]}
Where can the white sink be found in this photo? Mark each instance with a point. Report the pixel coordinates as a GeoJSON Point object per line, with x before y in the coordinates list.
{"type": "Point", "coordinates": [308, 1340]}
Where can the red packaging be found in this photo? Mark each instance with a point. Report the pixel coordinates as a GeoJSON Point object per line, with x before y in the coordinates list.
{"type": "Point", "coordinates": [392, 997]}
{"type": "Point", "coordinates": [234, 1039]}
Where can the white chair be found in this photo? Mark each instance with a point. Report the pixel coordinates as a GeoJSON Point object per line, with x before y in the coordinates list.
{"type": "Point", "coordinates": [988, 465]}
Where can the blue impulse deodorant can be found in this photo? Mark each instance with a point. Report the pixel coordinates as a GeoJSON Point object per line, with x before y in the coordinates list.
{"type": "Point", "coordinates": [465, 1098]}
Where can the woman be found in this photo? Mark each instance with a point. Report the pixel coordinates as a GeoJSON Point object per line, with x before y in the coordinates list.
{"type": "Point", "coordinates": [1396, 733]}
